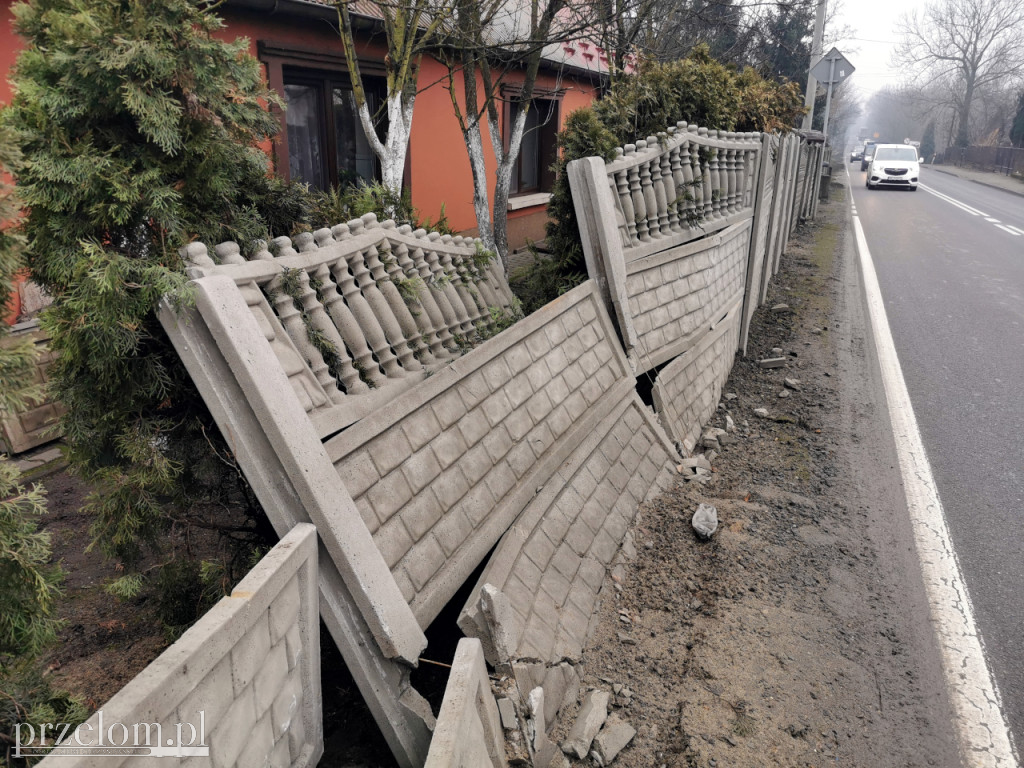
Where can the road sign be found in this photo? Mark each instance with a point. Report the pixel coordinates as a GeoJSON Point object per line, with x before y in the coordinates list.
{"type": "Point", "coordinates": [832, 68]}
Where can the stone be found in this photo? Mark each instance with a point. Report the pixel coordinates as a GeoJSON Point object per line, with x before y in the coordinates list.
{"type": "Point", "coordinates": [705, 521]}
{"type": "Point", "coordinates": [626, 639]}
{"type": "Point", "coordinates": [591, 717]}
{"type": "Point", "coordinates": [730, 395]}
{"type": "Point", "coordinates": [784, 393]}
{"type": "Point", "coordinates": [793, 384]}
{"type": "Point", "coordinates": [694, 463]}
{"type": "Point", "coordinates": [614, 736]}
{"type": "Point", "coordinates": [730, 425]}
{"type": "Point", "coordinates": [507, 711]}
{"type": "Point", "coordinates": [761, 413]}
{"type": "Point", "coordinates": [781, 308]}
{"type": "Point", "coordinates": [772, 362]}
{"type": "Point", "coordinates": [776, 351]}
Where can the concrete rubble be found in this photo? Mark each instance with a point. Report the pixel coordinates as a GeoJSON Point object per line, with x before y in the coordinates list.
{"type": "Point", "coordinates": [588, 723]}
{"type": "Point", "coordinates": [614, 736]}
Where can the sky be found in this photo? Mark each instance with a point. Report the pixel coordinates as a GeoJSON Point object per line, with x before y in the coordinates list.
{"type": "Point", "coordinates": [873, 24]}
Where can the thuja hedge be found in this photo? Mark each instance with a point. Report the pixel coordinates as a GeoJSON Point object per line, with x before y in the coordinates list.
{"type": "Point", "coordinates": [139, 132]}
{"type": "Point", "coordinates": [697, 89]}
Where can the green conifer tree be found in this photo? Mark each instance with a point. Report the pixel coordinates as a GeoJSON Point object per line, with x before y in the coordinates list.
{"type": "Point", "coordinates": [139, 131]}
{"type": "Point", "coordinates": [28, 584]}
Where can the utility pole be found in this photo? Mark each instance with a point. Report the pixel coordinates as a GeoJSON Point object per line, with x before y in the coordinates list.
{"type": "Point", "coordinates": [812, 83]}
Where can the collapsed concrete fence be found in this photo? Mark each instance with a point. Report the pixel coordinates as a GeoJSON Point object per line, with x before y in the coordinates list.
{"type": "Point", "coordinates": [360, 378]}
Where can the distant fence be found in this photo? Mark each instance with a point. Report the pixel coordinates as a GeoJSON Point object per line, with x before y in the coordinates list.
{"type": "Point", "coordinates": [1006, 160]}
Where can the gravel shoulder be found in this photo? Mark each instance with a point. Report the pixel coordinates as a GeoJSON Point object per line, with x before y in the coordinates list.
{"type": "Point", "coordinates": [799, 634]}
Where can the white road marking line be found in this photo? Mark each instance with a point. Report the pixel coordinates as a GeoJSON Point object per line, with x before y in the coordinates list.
{"type": "Point", "coordinates": [1016, 229]}
{"type": "Point", "coordinates": [984, 736]}
{"type": "Point", "coordinates": [954, 201]}
{"type": "Point", "coordinates": [1007, 229]}
{"type": "Point", "coordinates": [990, 220]}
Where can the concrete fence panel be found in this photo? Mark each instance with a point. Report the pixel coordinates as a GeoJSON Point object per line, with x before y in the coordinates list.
{"type": "Point", "coordinates": [687, 390]}
{"type": "Point", "coordinates": [246, 676]}
{"type": "Point", "coordinates": [468, 732]}
{"type": "Point", "coordinates": [439, 477]}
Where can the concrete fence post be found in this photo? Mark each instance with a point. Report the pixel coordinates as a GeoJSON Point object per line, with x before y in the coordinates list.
{"type": "Point", "coordinates": [757, 251]}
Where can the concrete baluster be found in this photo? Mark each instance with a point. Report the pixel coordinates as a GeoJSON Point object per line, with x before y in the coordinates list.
{"type": "Point", "coordinates": [418, 301]}
{"type": "Point", "coordinates": [442, 315]}
{"type": "Point", "coordinates": [399, 320]}
{"type": "Point", "coordinates": [626, 204]}
{"type": "Point", "coordinates": [459, 321]}
{"type": "Point", "coordinates": [456, 281]}
{"type": "Point", "coordinates": [355, 282]}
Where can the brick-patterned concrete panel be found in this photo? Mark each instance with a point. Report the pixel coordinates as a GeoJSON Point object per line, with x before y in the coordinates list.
{"type": "Point", "coordinates": [251, 665]}
{"type": "Point", "coordinates": [688, 389]}
{"type": "Point", "coordinates": [441, 475]}
{"type": "Point", "coordinates": [551, 563]}
{"type": "Point", "coordinates": [675, 295]}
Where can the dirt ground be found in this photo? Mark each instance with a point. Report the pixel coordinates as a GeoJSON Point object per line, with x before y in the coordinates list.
{"type": "Point", "coordinates": [798, 635]}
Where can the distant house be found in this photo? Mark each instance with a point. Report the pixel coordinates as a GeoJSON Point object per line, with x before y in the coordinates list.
{"type": "Point", "coordinates": [321, 141]}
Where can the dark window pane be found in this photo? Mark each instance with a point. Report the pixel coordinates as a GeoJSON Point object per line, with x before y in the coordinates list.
{"type": "Point", "coordinates": [355, 157]}
{"type": "Point", "coordinates": [305, 149]}
{"type": "Point", "coordinates": [529, 154]}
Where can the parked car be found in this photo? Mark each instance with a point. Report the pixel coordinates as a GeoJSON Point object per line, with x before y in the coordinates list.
{"type": "Point", "coordinates": [869, 150]}
{"type": "Point", "coordinates": [894, 165]}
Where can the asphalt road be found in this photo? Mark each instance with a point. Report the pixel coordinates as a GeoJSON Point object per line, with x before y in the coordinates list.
{"type": "Point", "coordinates": [951, 270]}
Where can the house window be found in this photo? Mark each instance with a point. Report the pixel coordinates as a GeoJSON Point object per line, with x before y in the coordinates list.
{"type": "Point", "coordinates": [321, 140]}
{"type": "Point", "coordinates": [532, 172]}
{"type": "Point", "coordinates": [326, 144]}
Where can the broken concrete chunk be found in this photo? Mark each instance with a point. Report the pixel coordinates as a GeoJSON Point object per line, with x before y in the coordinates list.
{"type": "Point", "coordinates": [614, 736]}
{"type": "Point", "coordinates": [555, 684]}
{"type": "Point", "coordinates": [772, 362]}
{"type": "Point", "coordinates": [730, 395]}
{"type": "Point", "coordinates": [507, 710]}
{"type": "Point", "coordinates": [693, 463]}
{"type": "Point", "coordinates": [793, 384]}
{"type": "Point", "coordinates": [730, 425]}
{"type": "Point", "coordinates": [705, 521]}
{"type": "Point", "coordinates": [503, 623]}
{"type": "Point", "coordinates": [781, 308]}
{"type": "Point", "coordinates": [761, 413]}
{"type": "Point", "coordinates": [591, 717]}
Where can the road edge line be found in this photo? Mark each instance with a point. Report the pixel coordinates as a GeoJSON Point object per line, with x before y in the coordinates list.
{"type": "Point", "coordinates": [985, 739]}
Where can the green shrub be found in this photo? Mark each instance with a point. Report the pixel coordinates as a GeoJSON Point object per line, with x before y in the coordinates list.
{"type": "Point", "coordinates": [26, 696]}
{"type": "Point", "coordinates": [698, 90]}
{"type": "Point", "coordinates": [139, 131]}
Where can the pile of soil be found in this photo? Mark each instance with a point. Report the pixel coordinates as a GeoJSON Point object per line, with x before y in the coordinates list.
{"type": "Point", "coordinates": [798, 635]}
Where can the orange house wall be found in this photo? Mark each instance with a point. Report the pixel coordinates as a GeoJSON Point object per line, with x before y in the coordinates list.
{"type": "Point", "coordinates": [438, 162]}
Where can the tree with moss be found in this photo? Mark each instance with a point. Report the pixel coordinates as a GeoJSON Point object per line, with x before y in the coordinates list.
{"type": "Point", "coordinates": [139, 131]}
